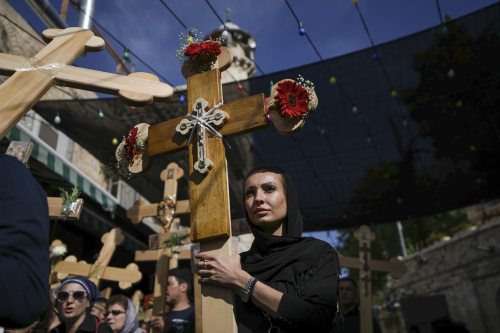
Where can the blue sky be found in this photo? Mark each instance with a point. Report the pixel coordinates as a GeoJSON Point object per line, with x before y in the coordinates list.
{"type": "Point", "coordinates": [151, 32]}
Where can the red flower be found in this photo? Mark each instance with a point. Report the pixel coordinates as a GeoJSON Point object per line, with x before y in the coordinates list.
{"type": "Point", "coordinates": [148, 300]}
{"type": "Point", "coordinates": [193, 51]}
{"type": "Point", "coordinates": [292, 100]}
{"type": "Point", "coordinates": [130, 141]}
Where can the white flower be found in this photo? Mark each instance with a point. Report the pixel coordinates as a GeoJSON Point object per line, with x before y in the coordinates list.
{"type": "Point", "coordinates": [57, 251]}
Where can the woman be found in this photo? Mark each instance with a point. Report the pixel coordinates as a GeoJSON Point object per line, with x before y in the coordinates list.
{"type": "Point", "coordinates": [121, 315]}
{"type": "Point", "coordinates": [285, 281]}
{"type": "Point", "coordinates": [74, 300]}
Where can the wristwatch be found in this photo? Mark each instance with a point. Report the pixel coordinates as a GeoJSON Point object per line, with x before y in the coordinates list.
{"type": "Point", "coordinates": [246, 292]}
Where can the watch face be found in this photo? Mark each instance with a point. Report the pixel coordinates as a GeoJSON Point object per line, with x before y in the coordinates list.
{"type": "Point", "coordinates": [244, 296]}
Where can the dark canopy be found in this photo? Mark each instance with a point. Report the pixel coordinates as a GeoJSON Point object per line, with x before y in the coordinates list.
{"type": "Point", "coordinates": [432, 148]}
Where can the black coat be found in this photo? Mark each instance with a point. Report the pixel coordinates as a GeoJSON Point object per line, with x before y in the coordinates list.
{"type": "Point", "coordinates": [89, 325]}
{"type": "Point", "coordinates": [24, 245]}
{"type": "Point", "coordinates": [305, 269]}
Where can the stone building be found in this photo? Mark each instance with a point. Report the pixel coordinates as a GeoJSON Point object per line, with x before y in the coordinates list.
{"type": "Point", "coordinates": [465, 270]}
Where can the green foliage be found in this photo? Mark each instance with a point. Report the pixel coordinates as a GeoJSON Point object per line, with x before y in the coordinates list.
{"type": "Point", "coordinates": [175, 240]}
{"type": "Point", "coordinates": [68, 199]}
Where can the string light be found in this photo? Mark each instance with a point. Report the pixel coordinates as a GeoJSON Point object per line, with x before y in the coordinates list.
{"type": "Point", "coordinates": [302, 31]}
{"type": "Point", "coordinates": [57, 119]}
{"type": "Point", "coordinates": [126, 54]}
{"type": "Point", "coordinates": [101, 114]}
{"type": "Point", "coordinates": [115, 141]}
{"type": "Point", "coordinates": [182, 99]}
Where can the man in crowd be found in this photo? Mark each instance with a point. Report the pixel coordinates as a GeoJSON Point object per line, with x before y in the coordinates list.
{"type": "Point", "coordinates": [180, 319]}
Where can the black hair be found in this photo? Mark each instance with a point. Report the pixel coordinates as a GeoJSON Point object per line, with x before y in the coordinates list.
{"type": "Point", "coordinates": [267, 168]}
{"type": "Point", "coordinates": [350, 279]}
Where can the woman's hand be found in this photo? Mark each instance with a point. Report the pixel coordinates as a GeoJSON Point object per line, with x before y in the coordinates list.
{"type": "Point", "coordinates": [222, 270]}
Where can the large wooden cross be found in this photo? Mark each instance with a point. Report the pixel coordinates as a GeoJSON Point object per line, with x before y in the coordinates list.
{"type": "Point", "coordinates": [100, 269]}
{"type": "Point", "coordinates": [207, 123]}
{"type": "Point", "coordinates": [32, 78]}
{"type": "Point", "coordinates": [366, 265]}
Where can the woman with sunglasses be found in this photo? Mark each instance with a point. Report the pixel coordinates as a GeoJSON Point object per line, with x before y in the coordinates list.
{"type": "Point", "coordinates": [121, 315]}
{"type": "Point", "coordinates": [74, 300]}
{"type": "Point", "coordinates": [286, 283]}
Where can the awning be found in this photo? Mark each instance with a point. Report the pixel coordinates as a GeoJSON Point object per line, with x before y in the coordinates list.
{"type": "Point", "coordinates": [61, 166]}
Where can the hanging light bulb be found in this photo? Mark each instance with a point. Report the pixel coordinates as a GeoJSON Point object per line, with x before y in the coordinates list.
{"type": "Point", "coordinates": [394, 94]}
{"type": "Point", "coordinates": [369, 139]}
{"type": "Point", "coordinates": [460, 103]}
{"type": "Point", "coordinates": [354, 109]}
{"type": "Point", "coordinates": [333, 80]}
{"type": "Point", "coordinates": [451, 73]}
{"type": "Point", "coordinates": [271, 86]}
{"type": "Point", "coordinates": [354, 1]}
{"type": "Point", "coordinates": [374, 57]}
{"type": "Point", "coordinates": [115, 141]}
{"type": "Point", "coordinates": [182, 99]}
{"type": "Point", "coordinates": [225, 35]}
{"type": "Point", "coordinates": [57, 119]}
{"type": "Point", "coordinates": [101, 115]}
{"type": "Point", "coordinates": [132, 108]}
{"type": "Point", "coordinates": [405, 122]}
{"type": "Point", "coordinates": [240, 87]}
{"type": "Point", "coordinates": [302, 31]}
{"type": "Point", "coordinates": [444, 31]}
{"type": "Point", "coordinates": [126, 54]}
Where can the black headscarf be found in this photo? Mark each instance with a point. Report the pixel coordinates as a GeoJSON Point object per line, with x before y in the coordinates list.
{"type": "Point", "coordinates": [270, 257]}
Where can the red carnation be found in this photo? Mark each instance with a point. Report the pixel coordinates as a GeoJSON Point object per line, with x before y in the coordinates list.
{"type": "Point", "coordinates": [292, 100]}
{"type": "Point", "coordinates": [193, 51]}
{"type": "Point", "coordinates": [130, 142]}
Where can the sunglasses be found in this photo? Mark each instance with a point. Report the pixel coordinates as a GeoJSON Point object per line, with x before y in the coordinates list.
{"type": "Point", "coordinates": [62, 296]}
{"type": "Point", "coordinates": [113, 312]}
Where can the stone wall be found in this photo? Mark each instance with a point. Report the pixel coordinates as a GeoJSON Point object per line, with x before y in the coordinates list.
{"type": "Point", "coordinates": [466, 270]}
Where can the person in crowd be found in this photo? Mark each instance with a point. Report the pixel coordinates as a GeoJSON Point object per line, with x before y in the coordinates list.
{"type": "Point", "coordinates": [181, 318]}
{"type": "Point", "coordinates": [74, 301]}
{"type": "Point", "coordinates": [24, 242]}
{"type": "Point", "coordinates": [99, 308]}
{"type": "Point", "coordinates": [121, 315]}
{"type": "Point", "coordinates": [349, 299]}
{"type": "Point", "coordinates": [285, 282]}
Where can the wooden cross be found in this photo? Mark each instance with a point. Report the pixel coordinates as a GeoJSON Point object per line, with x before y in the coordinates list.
{"type": "Point", "coordinates": [366, 265]}
{"type": "Point", "coordinates": [22, 151]}
{"type": "Point", "coordinates": [169, 206]}
{"type": "Point", "coordinates": [32, 78]}
{"type": "Point", "coordinates": [209, 197]}
{"type": "Point", "coordinates": [100, 269]}
{"type": "Point", "coordinates": [164, 260]}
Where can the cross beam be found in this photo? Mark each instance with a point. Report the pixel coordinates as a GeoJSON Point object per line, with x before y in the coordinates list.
{"type": "Point", "coordinates": [32, 78]}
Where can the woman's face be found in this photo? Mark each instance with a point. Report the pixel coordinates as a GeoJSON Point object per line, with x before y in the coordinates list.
{"type": "Point", "coordinates": [115, 320]}
{"type": "Point", "coordinates": [265, 202]}
{"type": "Point", "coordinates": [71, 309]}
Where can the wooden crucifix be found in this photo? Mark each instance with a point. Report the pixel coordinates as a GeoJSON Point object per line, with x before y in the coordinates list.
{"type": "Point", "coordinates": [207, 123]}
{"type": "Point", "coordinates": [100, 269]}
{"type": "Point", "coordinates": [366, 265]}
{"type": "Point", "coordinates": [164, 259]}
{"type": "Point", "coordinates": [22, 151]}
{"type": "Point", "coordinates": [32, 78]}
{"type": "Point", "coordinates": [166, 208]}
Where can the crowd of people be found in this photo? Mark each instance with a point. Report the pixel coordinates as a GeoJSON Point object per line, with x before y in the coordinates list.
{"type": "Point", "coordinates": [284, 282]}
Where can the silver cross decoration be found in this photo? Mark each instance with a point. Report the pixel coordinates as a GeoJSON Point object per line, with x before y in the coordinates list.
{"type": "Point", "coordinates": [202, 121]}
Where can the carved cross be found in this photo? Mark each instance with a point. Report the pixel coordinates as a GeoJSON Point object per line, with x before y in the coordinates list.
{"type": "Point", "coordinates": [209, 197]}
{"type": "Point", "coordinates": [164, 260]}
{"type": "Point", "coordinates": [169, 206]}
{"type": "Point", "coordinates": [366, 265]}
{"type": "Point", "coordinates": [31, 79]}
{"type": "Point", "coordinates": [100, 269]}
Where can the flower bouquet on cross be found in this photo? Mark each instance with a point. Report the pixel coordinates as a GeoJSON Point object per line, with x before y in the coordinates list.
{"type": "Point", "coordinates": [290, 103]}
{"type": "Point", "coordinates": [132, 152]}
{"type": "Point", "coordinates": [197, 55]}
